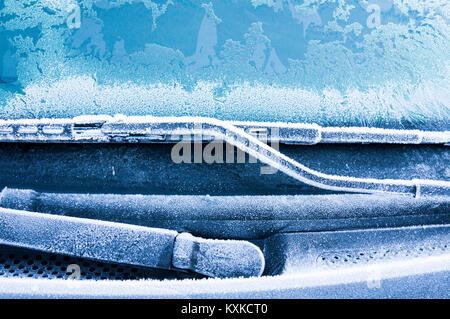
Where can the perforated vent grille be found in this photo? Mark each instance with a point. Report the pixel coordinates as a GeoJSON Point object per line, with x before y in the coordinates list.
{"type": "Point", "coordinates": [368, 256]}
{"type": "Point", "coordinates": [25, 263]}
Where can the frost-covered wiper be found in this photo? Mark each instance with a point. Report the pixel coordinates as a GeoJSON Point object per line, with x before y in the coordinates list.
{"type": "Point", "coordinates": [171, 129]}
{"type": "Point", "coordinates": [148, 129]}
{"type": "Point", "coordinates": [129, 244]}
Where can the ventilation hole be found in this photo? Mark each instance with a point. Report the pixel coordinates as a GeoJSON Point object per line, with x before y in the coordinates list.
{"type": "Point", "coordinates": [26, 263]}
{"type": "Point", "coordinates": [335, 259]}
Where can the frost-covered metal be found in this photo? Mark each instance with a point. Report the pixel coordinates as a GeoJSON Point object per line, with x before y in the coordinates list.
{"type": "Point", "coordinates": [132, 129]}
{"type": "Point", "coordinates": [129, 244]}
{"type": "Point", "coordinates": [148, 129]}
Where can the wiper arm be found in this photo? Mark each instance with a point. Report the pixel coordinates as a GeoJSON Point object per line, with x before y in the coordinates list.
{"type": "Point", "coordinates": [129, 244]}
{"type": "Point", "coordinates": [107, 129]}
{"type": "Point", "coordinates": [237, 137]}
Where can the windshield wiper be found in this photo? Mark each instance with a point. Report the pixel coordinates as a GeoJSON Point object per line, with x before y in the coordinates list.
{"type": "Point", "coordinates": [129, 244]}
{"type": "Point", "coordinates": [150, 129]}
{"type": "Point", "coordinates": [107, 129]}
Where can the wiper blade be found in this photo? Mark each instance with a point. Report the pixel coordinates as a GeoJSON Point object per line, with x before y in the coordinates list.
{"type": "Point", "coordinates": [150, 129]}
{"type": "Point", "coordinates": [237, 217]}
{"type": "Point", "coordinates": [106, 129]}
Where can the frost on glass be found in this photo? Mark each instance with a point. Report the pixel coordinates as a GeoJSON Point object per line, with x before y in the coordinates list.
{"type": "Point", "coordinates": [374, 63]}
